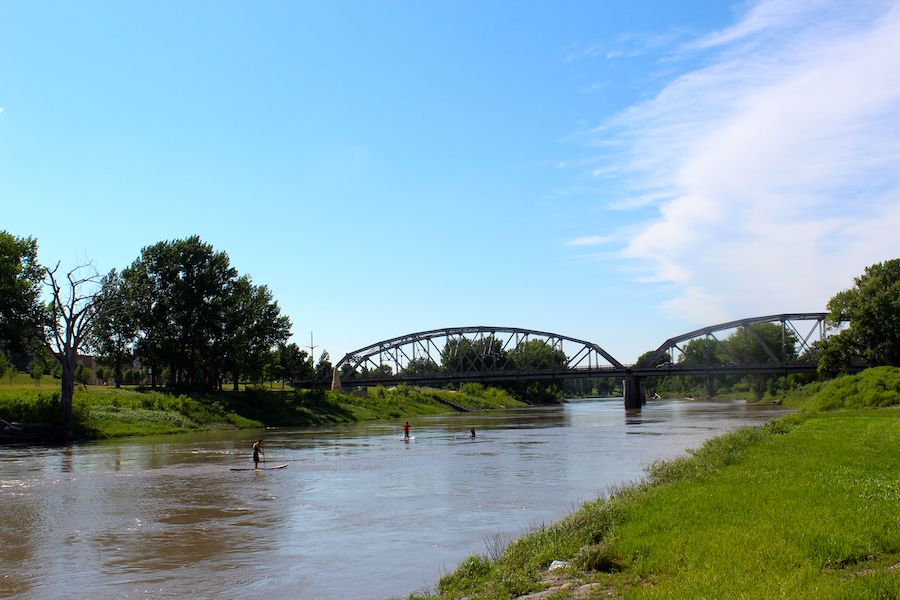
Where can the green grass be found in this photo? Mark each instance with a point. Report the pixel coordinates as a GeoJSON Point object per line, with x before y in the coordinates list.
{"type": "Point", "coordinates": [804, 507]}
{"type": "Point", "coordinates": [103, 412]}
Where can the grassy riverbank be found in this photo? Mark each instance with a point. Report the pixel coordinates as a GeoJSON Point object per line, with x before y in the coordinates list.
{"type": "Point", "coordinates": [803, 507]}
{"type": "Point", "coordinates": [103, 412]}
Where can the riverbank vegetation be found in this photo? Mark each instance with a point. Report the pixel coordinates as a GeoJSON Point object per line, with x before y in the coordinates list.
{"type": "Point", "coordinates": [803, 507]}
{"type": "Point", "coordinates": [103, 412]}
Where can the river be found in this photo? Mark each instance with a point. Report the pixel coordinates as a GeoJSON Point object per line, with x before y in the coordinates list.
{"type": "Point", "coordinates": [357, 513]}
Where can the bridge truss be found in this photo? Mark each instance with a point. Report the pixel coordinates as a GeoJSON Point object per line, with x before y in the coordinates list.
{"type": "Point", "coordinates": [472, 354]}
{"type": "Point", "coordinates": [790, 350]}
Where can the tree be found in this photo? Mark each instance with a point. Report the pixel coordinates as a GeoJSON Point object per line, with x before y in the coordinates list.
{"type": "Point", "coordinates": [36, 371]}
{"type": "Point", "coordinates": [295, 363]}
{"type": "Point", "coordinates": [82, 374]}
{"type": "Point", "coordinates": [464, 355]}
{"type": "Point", "coordinates": [115, 330]}
{"type": "Point", "coordinates": [253, 325]}
{"type": "Point", "coordinates": [5, 366]}
{"type": "Point", "coordinates": [70, 318]}
{"type": "Point", "coordinates": [196, 319]}
{"type": "Point", "coordinates": [102, 374]}
{"type": "Point", "coordinates": [537, 355]}
{"type": "Point", "coordinates": [323, 368]}
{"type": "Point", "coordinates": [20, 285]}
{"type": "Point", "coordinates": [649, 359]}
{"type": "Point", "coordinates": [759, 344]}
{"type": "Point", "coordinates": [421, 365]}
{"type": "Point", "coordinates": [705, 351]}
{"type": "Point", "coordinates": [872, 309]}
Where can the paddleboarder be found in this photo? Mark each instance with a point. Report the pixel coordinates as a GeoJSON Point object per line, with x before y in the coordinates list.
{"type": "Point", "coordinates": [406, 430]}
{"type": "Point", "coordinates": [471, 432]}
{"type": "Point", "coordinates": [257, 450]}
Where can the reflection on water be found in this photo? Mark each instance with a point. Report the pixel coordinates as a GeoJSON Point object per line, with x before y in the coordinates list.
{"type": "Point", "coordinates": [166, 518]}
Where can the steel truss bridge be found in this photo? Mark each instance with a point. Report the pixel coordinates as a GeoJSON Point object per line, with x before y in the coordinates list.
{"type": "Point", "coordinates": [496, 354]}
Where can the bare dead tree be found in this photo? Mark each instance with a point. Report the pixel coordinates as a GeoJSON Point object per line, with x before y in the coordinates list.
{"type": "Point", "coordinates": [70, 319]}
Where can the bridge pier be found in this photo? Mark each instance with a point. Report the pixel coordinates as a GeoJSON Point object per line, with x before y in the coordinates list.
{"type": "Point", "coordinates": [633, 392]}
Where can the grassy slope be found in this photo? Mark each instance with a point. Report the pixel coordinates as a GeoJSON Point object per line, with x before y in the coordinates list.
{"type": "Point", "coordinates": [109, 412]}
{"type": "Point", "coordinates": [805, 507]}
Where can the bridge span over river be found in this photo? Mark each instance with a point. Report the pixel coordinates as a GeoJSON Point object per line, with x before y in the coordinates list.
{"type": "Point", "coordinates": [499, 354]}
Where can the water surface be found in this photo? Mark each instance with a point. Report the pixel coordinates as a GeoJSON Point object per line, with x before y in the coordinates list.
{"type": "Point", "coordinates": [358, 512]}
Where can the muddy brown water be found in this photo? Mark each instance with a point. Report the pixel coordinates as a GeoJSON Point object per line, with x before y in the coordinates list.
{"type": "Point", "coordinates": [358, 512]}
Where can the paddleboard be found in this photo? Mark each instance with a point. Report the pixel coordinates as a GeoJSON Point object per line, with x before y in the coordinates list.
{"type": "Point", "coordinates": [266, 468]}
{"type": "Point", "coordinates": [406, 439]}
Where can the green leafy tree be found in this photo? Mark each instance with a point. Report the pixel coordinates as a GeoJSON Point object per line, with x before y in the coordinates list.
{"type": "Point", "coordinates": [197, 319]}
{"type": "Point", "coordinates": [20, 288]}
{"type": "Point", "coordinates": [462, 354]}
{"type": "Point", "coordinates": [324, 367]}
{"type": "Point", "coordinates": [653, 385]}
{"type": "Point", "coordinates": [705, 351]}
{"type": "Point", "coordinates": [253, 325]}
{"type": "Point", "coordinates": [872, 309]}
{"type": "Point", "coordinates": [116, 326]}
{"type": "Point", "coordinates": [421, 365]}
{"type": "Point", "coordinates": [36, 371]}
{"type": "Point", "coordinates": [537, 355]}
{"type": "Point", "coordinates": [760, 344]}
{"type": "Point", "coordinates": [295, 363]}
{"type": "Point", "coordinates": [180, 291]}
{"type": "Point", "coordinates": [5, 365]}
{"type": "Point", "coordinates": [83, 374]}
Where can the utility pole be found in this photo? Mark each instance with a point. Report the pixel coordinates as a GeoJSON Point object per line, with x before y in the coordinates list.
{"type": "Point", "coordinates": [312, 351]}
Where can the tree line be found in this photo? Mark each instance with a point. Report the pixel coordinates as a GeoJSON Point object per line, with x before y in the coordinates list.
{"type": "Point", "coordinates": [180, 312]}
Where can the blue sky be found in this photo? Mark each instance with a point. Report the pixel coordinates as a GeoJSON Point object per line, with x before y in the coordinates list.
{"type": "Point", "coordinates": [620, 172]}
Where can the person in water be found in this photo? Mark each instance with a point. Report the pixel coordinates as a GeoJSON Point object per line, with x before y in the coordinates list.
{"type": "Point", "coordinates": [257, 450]}
{"type": "Point", "coordinates": [406, 430]}
{"type": "Point", "coordinates": [471, 432]}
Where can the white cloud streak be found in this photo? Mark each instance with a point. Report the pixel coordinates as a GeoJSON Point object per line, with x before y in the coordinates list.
{"type": "Point", "coordinates": [590, 240]}
{"type": "Point", "coordinates": [775, 166]}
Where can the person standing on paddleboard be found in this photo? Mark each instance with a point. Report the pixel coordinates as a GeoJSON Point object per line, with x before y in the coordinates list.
{"type": "Point", "coordinates": [406, 430]}
{"type": "Point", "coordinates": [257, 450]}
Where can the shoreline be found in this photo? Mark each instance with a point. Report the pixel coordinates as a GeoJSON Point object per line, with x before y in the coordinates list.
{"type": "Point", "coordinates": [802, 507]}
{"type": "Point", "coordinates": [676, 534]}
{"type": "Point", "coordinates": [103, 413]}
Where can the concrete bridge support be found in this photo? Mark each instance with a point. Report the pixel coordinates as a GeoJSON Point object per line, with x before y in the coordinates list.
{"type": "Point", "coordinates": [634, 392]}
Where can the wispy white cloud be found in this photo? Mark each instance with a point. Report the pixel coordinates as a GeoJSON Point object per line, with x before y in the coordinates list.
{"type": "Point", "coordinates": [590, 240]}
{"type": "Point", "coordinates": [775, 165]}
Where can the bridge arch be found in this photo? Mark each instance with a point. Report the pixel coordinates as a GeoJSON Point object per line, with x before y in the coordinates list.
{"type": "Point", "coordinates": [382, 361]}
{"type": "Point", "coordinates": [792, 327]}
